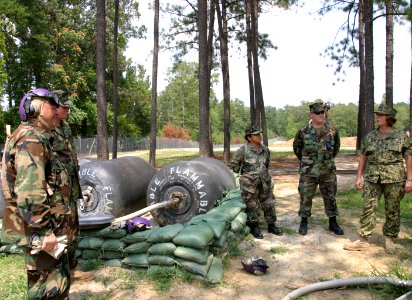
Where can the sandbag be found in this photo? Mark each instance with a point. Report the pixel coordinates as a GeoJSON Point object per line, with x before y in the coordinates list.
{"type": "Point", "coordinates": [164, 234]}
{"type": "Point", "coordinates": [231, 211]}
{"type": "Point", "coordinates": [90, 254]}
{"type": "Point", "coordinates": [107, 232]}
{"type": "Point", "coordinates": [218, 227]}
{"type": "Point", "coordinates": [220, 242]}
{"type": "Point", "coordinates": [194, 236]}
{"type": "Point", "coordinates": [162, 249]}
{"type": "Point", "coordinates": [197, 255]}
{"type": "Point", "coordinates": [162, 260]}
{"type": "Point", "coordinates": [112, 254]}
{"type": "Point", "coordinates": [113, 245]}
{"type": "Point", "coordinates": [116, 262]}
{"type": "Point", "coordinates": [200, 269]}
{"type": "Point", "coordinates": [90, 243]}
{"type": "Point", "coordinates": [140, 247]}
{"type": "Point", "coordinates": [215, 216]}
{"type": "Point", "coordinates": [135, 237]}
{"type": "Point", "coordinates": [215, 273]}
{"type": "Point", "coordinates": [136, 260]}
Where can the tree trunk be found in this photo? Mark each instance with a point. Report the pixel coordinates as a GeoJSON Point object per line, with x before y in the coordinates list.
{"type": "Point", "coordinates": [389, 52]}
{"type": "Point", "coordinates": [410, 88]}
{"type": "Point", "coordinates": [102, 142]}
{"type": "Point", "coordinates": [115, 79]}
{"type": "Point", "coordinates": [153, 124]}
{"type": "Point", "coordinates": [260, 104]}
{"type": "Point", "coordinates": [361, 108]}
{"type": "Point", "coordinates": [204, 84]}
{"type": "Point", "coordinates": [224, 54]}
{"type": "Point", "coordinates": [210, 39]}
{"type": "Point", "coordinates": [369, 72]}
{"type": "Point", "coordinates": [250, 63]}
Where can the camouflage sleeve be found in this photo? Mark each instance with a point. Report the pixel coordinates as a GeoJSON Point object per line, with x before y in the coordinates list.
{"type": "Point", "coordinates": [407, 146]}
{"type": "Point", "coordinates": [238, 159]}
{"type": "Point", "coordinates": [298, 145]}
{"type": "Point", "coordinates": [337, 143]}
{"type": "Point", "coordinates": [30, 185]}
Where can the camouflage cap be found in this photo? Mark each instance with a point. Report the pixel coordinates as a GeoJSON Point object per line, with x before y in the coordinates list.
{"type": "Point", "coordinates": [64, 98]}
{"type": "Point", "coordinates": [254, 129]}
{"type": "Point", "coordinates": [386, 110]}
{"type": "Point", "coordinates": [317, 107]}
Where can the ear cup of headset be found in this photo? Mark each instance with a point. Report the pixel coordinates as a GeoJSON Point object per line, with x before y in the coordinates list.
{"type": "Point", "coordinates": [29, 109]}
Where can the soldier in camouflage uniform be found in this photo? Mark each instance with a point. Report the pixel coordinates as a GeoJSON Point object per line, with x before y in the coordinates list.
{"type": "Point", "coordinates": [316, 145]}
{"type": "Point", "coordinates": [63, 144]}
{"type": "Point", "coordinates": [36, 189]}
{"type": "Point", "coordinates": [382, 165]}
{"type": "Point", "coordinates": [251, 161]}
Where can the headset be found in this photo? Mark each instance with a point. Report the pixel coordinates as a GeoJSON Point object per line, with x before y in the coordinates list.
{"type": "Point", "coordinates": [26, 108]}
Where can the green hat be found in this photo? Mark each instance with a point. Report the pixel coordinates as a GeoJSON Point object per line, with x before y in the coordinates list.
{"type": "Point", "coordinates": [254, 129]}
{"type": "Point", "coordinates": [386, 110]}
{"type": "Point", "coordinates": [317, 107]}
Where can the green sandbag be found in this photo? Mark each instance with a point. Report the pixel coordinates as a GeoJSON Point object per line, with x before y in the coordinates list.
{"type": "Point", "coordinates": [194, 236]}
{"type": "Point", "coordinates": [221, 241]}
{"type": "Point", "coordinates": [139, 236]}
{"type": "Point", "coordinates": [164, 234]}
{"type": "Point", "coordinates": [140, 247]}
{"type": "Point", "coordinates": [106, 232]}
{"type": "Point", "coordinates": [136, 260]}
{"type": "Point", "coordinates": [116, 262]}
{"type": "Point", "coordinates": [90, 254]}
{"type": "Point", "coordinates": [235, 226]}
{"type": "Point", "coordinates": [162, 260]}
{"type": "Point", "coordinates": [113, 245]}
{"type": "Point", "coordinates": [90, 243]}
{"type": "Point", "coordinates": [78, 253]}
{"type": "Point", "coordinates": [217, 251]}
{"type": "Point", "coordinates": [241, 218]}
{"type": "Point", "coordinates": [215, 273]}
{"type": "Point", "coordinates": [162, 249]}
{"type": "Point", "coordinates": [192, 267]}
{"type": "Point", "coordinates": [233, 194]}
{"type": "Point", "coordinates": [112, 254]}
{"type": "Point", "coordinates": [216, 216]}
{"type": "Point", "coordinates": [11, 249]}
{"type": "Point", "coordinates": [197, 255]}
{"type": "Point", "coordinates": [218, 227]}
{"type": "Point", "coordinates": [231, 211]}
{"type": "Point", "coordinates": [234, 203]}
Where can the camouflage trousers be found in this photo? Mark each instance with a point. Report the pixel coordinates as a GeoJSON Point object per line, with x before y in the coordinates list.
{"type": "Point", "coordinates": [327, 186]}
{"type": "Point", "coordinates": [260, 199]}
{"type": "Point", "coordinates": [48, 278]}
{"type": "Point", "coordinates": [393, 193]}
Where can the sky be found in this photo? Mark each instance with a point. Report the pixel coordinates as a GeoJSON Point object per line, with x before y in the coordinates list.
{"type": "Point", "coordinates": [296, 71]}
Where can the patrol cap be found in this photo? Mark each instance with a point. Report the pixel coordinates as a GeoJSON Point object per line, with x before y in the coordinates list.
{"type": "Point", "coordinates": [317, 107]}
{"type": "Point", "coordinates": [64, 98]}
{"type": "Point", "coordinates": [254, 129]}
{"type": "Point", "coordinates": [386, 110]}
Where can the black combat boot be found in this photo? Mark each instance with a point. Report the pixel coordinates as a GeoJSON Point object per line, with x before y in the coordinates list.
{"type": "Point", "coordinates": [303, 227]}
{"type": "Point", "coordinates": [333, 226]}
{"type": "Point", "coordinates": [273, 229]}
{"type": "Point", "coordinates": [255, 230]}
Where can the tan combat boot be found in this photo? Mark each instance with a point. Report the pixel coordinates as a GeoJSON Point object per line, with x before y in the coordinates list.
{"type": "Point", "coordinates": [80, 275]}
{"type": "Point", "coordinates": [389, 246]}
{"type": "Point", "coordinates": [359, 245]}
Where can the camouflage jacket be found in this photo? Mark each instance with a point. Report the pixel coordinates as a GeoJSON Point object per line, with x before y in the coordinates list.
{"type": "Point", "coordinates": [251, 163]}
{"type": "Point", "coordinates": [35, 186]}
{"type": "Point", "coordinates": [316, 149]}
{"type": "Point", "coordinates": [386, 156]}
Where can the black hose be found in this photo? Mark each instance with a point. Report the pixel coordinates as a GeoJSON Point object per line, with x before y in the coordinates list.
{"type": "Point", "coordinates": [337, 283]}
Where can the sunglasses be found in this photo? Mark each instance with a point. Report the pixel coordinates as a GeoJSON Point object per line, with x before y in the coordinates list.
{"type": "Point", "coordinates": [319, 112]}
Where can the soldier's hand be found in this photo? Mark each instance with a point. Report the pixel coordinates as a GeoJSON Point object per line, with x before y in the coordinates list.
{"type": "Point", "coordinates": [49, 243]}
{"type": "Point", "coordinates": [359, 183]}
{"type": "Point", "coordinates": [408, 186]}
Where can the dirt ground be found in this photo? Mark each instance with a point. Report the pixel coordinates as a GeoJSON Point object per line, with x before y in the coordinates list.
{"type": "Point", "coordinates": [318, 256]}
